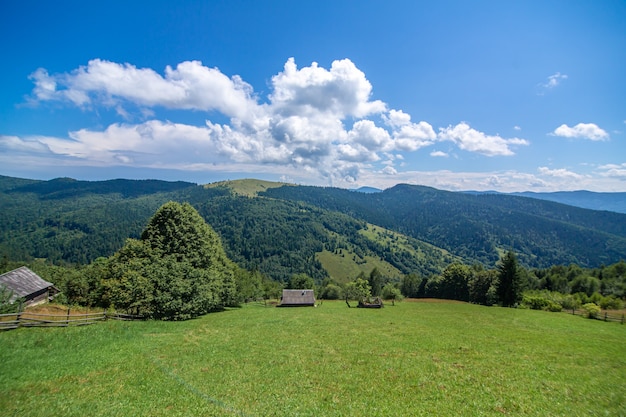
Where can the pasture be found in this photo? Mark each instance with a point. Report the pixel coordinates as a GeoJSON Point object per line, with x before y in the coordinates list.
{"type": "Point", "coordinates": [413, 359]}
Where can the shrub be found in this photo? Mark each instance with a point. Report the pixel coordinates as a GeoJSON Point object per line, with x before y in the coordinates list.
{"type": "Point", "coordinates": [542, 301]}
{"type": "Point", "coordinates": [611, 303]}
{"type": "Point", "coordinates": [592, 310]}
{"type": "Point", "coordinates": [569, 302]}
{"type": "Point", "coordinates": [332, 292]}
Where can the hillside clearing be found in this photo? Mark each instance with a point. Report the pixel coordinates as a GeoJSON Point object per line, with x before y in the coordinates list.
{"type": "Point", "coordinates": [415, 358]}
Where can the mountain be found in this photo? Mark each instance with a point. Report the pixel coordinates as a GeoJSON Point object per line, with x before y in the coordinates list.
{"type": "Point", "coordinates": [478, 228]}
{"type": "Point", "coordinates": [368, 190]}
{"type": "Point", "coordinates": [282, 229]}
{"type": "Point", "coordinates": [585, 199]}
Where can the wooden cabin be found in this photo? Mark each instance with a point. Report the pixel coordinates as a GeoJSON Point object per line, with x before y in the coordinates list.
{"type": "Point", "coordinates": [297, 298]}
{"type": "Point", "coordinates": [27, 285]}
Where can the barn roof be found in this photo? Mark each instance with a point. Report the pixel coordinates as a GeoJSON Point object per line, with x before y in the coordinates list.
{"type": "Point", "coordinates": [23, 282]}
{"type": "Point", "coordinates": [298, 298]}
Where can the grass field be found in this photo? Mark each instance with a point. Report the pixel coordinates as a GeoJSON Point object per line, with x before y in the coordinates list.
{"type": "Point", "coordinates": [412, 359]}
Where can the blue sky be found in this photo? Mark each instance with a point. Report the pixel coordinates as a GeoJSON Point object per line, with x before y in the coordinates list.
{"type": "Point", "coordinates": [486, 95]}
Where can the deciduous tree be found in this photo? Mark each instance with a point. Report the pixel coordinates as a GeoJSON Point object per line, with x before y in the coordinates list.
{"type": "Point", "coordinates": [178, 270]}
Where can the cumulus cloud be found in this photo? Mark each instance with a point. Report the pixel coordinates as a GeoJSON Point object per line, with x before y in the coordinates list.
{"type": "Point", "coordinates": [472, 140]}
{"type": "Point", "coordinates": [589, 131]}
{"type": "Point", "coordinates": [342, 91]}
{"type": "Point", "coordinates": [321, 121]}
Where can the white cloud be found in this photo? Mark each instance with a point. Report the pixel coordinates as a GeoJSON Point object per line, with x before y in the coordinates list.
{"type": "Point", "coordinates": [517, 128]}
{"type": "Point", "coordinates": [439, 154]}
{"type": "Point", "coordinates": [389, 170]}
{"type": "Point", "coordinates": [343, 90]}
{"type": "Point", "coordinates": [189, 86]}
{"type": "Point", "coordinates": [560, 173]}
{"type": "Point", "coordinates": [617, 171]}
{"type": "Point", "coordinates": [551, 82]}
{"type": "Point", "coordinates": [472, 140]}
{"type": "Point", "coordinates": [554, 80]}
{"type": "Point", "coordinates": [589, 131]}
{"type": "Point", "coordinates": [315, 122]}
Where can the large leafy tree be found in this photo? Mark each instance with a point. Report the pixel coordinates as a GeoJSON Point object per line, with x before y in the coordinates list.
{"type": "Point", "coordinates": [178, 270]}
{"type": "Point", "coordinates": [509, 289]}
{"type": "Point", "coordinates": [410, 285]}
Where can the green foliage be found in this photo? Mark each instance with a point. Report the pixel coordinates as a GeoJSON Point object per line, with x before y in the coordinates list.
{"type": "Point", "coordinates": [611, 303]}
{"type": "Point", "coordinates": [177, 271]}
{"type": "Point", "coordinates": [509, 288]}
{"type": "Point", "coordinates": [538, 301]}
{"type": "Point", "coordinates": [249, 285]}
{"type": "Point", "coordinates": [592, 310]}
{"type": "Point", "coordinates": [375, 280]}
{"type": "Point", "coordinates": [410, 285]}
{"type": "Point", "coordinates": [391, 292]}
{"type": "Point", "coordinates": [331, 292]}
{"type": "Point", "coordinates": [476, 227]}
{"type": "Point", "coordinates": [6, 305]}
{"type": "Point", "coordinates": [301, 282]}
{"type": "Point", "coordinates": [482, 286]}
{"type": "Point", "coordinates": [357, 289]}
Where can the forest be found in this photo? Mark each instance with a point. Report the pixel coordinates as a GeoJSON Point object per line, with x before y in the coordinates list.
{"type": "Point", "coordinates": [406, 241]}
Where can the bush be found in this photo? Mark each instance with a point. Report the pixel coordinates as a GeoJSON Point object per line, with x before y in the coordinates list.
{"type": "Point", "coordinates": [611, 303]}
{"type": "Point", "coordinates": [541, 301]}
{"type": "Point", "coordinates": [592, 310]}
{"type": "Point", "coordinates": [569, 302]}
{"type": "Point", "coordinates": [331, 292]}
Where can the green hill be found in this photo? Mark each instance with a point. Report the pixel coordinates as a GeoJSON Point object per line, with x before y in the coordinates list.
{"type": "Point", "coordinates": [282, 229]}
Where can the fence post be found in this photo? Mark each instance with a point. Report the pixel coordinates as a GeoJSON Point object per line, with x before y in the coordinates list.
{"type": "Point", "coordinates": [606, 316]}
{"type": "Point", "coordinates": [67, 322]}
{"type": "Point", "coordinates": [622, 319]}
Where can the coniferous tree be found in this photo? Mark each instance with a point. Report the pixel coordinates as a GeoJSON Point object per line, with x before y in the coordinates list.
{"type": "Point", "coordinates": [509, 289]}
{"type": "Point", "coordinates": [376, 282]}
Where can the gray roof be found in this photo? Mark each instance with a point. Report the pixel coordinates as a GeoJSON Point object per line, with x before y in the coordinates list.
{"type": "Point", "coordinates": [298, 297]}
{"type": "Point", "coordinates": [23, 282]}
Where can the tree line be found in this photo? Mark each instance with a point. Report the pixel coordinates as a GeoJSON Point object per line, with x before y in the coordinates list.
{"type": "Point", "coordinates": [177, 269]}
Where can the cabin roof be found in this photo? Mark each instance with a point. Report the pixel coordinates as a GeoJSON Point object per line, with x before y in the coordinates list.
{"type": "Point", "coordinates": [298, 298]}
{"type": "Point", "coordinates": [23, 282]}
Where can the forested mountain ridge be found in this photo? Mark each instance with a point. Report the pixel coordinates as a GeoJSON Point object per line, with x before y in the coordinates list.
{"type": "Point", "coordinates": [586, 199]}
{"type": "Point", "coordinates": [283, 229]}
{"type": "Point", "coordinates": [479, 227]}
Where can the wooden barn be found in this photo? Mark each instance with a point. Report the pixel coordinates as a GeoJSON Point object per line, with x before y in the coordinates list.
{"type": "Point", "coordinates": [297, 298]}
{"type": "Point", "coordinates": [29, 286]}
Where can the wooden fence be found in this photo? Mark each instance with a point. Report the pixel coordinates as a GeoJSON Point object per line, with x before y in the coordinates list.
{"type": "Point", "coordinates": [28, 319]}
{"type": "Point", "coordinates": [603, 315]}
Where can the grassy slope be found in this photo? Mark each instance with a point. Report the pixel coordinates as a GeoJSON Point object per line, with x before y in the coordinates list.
{"type": "Point", "coordinates": [247, 187]}
{"type": "Point", "coordinates": [346, 266]}
{"type": "Point", "coordinates": [413, 359]}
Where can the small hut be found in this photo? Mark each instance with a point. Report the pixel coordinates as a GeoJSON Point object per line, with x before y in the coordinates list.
{"type": "Point", "coordinates": [297, 298]}
{"type": "Point", "coordinates": [29, 286]}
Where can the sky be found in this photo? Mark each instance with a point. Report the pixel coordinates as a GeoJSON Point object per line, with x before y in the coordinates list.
{"type": "Point", "coordinates": [484, 95]}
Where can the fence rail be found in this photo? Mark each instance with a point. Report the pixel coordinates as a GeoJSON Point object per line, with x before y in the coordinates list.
{"type": "Point", "coordinates": [28, 319]}
{"type": "Point", "coordinates": [604, 316]}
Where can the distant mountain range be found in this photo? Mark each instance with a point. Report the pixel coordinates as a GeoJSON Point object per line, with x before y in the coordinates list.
{"type": "Point", "coordinates": [585, 199]}
{"type": "Point", "coordinates": [282, 229]}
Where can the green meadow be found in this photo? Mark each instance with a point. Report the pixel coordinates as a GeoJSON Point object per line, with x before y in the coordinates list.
{"type": "Point", "coordinates": [413, 359]}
